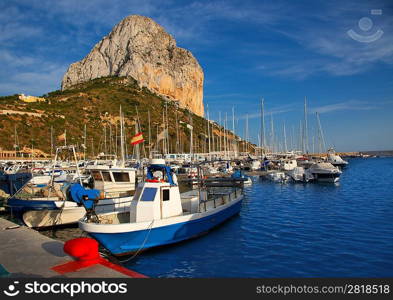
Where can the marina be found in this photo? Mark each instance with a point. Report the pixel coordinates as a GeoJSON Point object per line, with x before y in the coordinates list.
{"type": "Point", "coordinates": [299, 230]}
{"type": "Point", "coordinates": [244, 141]}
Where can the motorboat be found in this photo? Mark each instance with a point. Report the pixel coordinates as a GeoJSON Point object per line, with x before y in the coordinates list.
{"type": "Point", "coordinates": [335, 159]}
{"type": "Point", "coordinates": [160, 215]}
{"type": "Point", "coordinates": [325, 172]}
{"type": "Point", "coordinates": [277, 176]}
{"type": "Point", "coordinates": [300, 174]}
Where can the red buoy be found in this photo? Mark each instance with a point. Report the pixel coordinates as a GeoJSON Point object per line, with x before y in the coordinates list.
{"type": "Point", "coordinates": [82, 249]}
{"type": "Point", "coordinates": [85, 251]}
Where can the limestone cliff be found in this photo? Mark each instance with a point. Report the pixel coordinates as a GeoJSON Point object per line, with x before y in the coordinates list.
{"type": "Point", "coordinates": [140, 48]}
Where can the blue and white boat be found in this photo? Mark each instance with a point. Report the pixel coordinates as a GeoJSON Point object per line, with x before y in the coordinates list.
{"type": "Point", "coordinates": [160, 215]}
{"type": "Point", "coordinates": [60, 203]}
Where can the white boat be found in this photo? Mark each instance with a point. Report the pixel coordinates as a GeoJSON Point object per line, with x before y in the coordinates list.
{"type": "Point", "coordinates": [325, 172]}
{"type": "Point", "coordinates": [277, 176]}
{"type": "Point", "coordinates": [288, 164]}
{"type": "Point", "coordinates": [44, 178]}
{"type": "Point", "coordinates": [160, 215]}
{"type": "Point", "coordinates": [56, 205]}
{"type": "Point", "coordinates": [60, 203]}
{"type": "Point", "coordinates": [335, 159]}
{"type": "Point", "coordinates": [299, 174]}
{"type": "Point", "coordinates": [255, 165]}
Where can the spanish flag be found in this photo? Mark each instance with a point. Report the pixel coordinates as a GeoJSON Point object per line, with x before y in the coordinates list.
{"type": "Point", "coordinates": [137, 139]}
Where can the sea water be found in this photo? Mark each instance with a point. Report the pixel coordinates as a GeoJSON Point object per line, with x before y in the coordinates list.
{"type": "Point", "coordinates": [294, 230]}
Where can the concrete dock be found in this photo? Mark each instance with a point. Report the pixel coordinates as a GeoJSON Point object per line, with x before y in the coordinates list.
{"type": "Point", "coordinates": [24, 252]}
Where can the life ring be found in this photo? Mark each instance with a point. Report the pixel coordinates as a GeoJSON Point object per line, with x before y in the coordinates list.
{"type": "Point", "coordinates": [155, 180]}
{"type": "Point", "coordinates": [152, 180]}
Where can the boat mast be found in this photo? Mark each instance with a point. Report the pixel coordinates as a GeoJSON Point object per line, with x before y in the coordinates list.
{"type": "Point", "coordinates": [177, 134]}
{"type": "Point", "coordinates": [84, 143]}
{"type": "Point", "coordinates": [322, 145]}
{"type": "Point", "coordinates": [110, 138]}
{"type": "Point", "coordinates": [163, 138]}
{"type": "Point", "coordinates": [148, 118]}
{"type": "Point", "coordinates": [191, 139]}
{"type": "Point", "coordinates": [208, 130]}
{"type": "Point", "coordinates": [105, 149]}
{"type": "Point", "coordinates": [272, 132]}
{"type": "Point", "coordinates": [212, 136]}
{"type": "Point", "coordinates": [140, 131]}
{"type": "Point", "coordinates": [167, 128]}
{"type": "Point", "coordinates": [263, 139]}
{"type": "Point", "coordinates": [247, 133]}
{"type": "Point", "coordinates": [220, 127]}
{"type": "Point", "coordinates": [305, 131]}
{"type": "Point", "coordinates": [122, 138]}
{"type": "Point", "coordinates": [137, 151]}
{"type": "Point", "coordinates": [301, 145]}
{"type": "Point", "coordinates": [116, 140]}
{"type": "Point", "coordinates": [285, 140]}
{"type": "Point", "coordinates": [226, 135]}
{"type": "Point", "coordinates": [92, 147]}
{"type": "Point", "coordinates": [51, 142]}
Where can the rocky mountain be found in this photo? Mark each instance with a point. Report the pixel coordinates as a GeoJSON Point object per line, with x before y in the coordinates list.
{"type": "Point", "coordinates": [140, 48]}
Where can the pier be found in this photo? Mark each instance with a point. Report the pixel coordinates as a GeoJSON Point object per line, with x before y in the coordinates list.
{"type": "Point", "coordinates": [27, 253]}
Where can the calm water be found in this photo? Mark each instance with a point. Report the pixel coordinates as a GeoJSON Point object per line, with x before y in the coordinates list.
{"type": "Point", "coordinates": [295, 230]}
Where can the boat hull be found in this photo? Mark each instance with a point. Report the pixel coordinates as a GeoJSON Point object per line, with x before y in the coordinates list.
{"type": "Point", "coordinates": [48, 213]}
{"type": "Point", "coordinates": [121, 243]}
{"type": "Point", "coordinates": [48, 218]}
{"type": "Point", "coordinates": [327, 177]}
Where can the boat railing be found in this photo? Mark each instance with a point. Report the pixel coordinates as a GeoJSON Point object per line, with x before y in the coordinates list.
{"type": "Point", "coordinates": [218, 199]}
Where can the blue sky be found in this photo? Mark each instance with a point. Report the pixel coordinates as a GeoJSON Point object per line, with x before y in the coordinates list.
{"type": "Point", "coordinates": [279, 50]}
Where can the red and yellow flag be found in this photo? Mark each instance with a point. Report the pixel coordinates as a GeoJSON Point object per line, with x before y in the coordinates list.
{"type": "Point", "coordinates": [137, 139]}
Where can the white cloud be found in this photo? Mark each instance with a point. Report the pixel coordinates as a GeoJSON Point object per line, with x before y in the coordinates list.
{"type": "Point", "coordinates": [268, 112]}
{"type": "Point", "coordinates": [350, 105]}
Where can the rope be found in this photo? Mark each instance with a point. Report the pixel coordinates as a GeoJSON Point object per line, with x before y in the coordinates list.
{"type": "Point", "coordinates": [142, 245]}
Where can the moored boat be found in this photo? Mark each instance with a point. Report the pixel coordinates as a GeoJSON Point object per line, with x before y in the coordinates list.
{"type": "Point", "coordinates": [335, 159]}
{"type": "Point", "coordinates": [60, 203]}
{"type": "Point", "coordinates": [325, 172]}
{"type": "Point", "coordinates": [160, 215]}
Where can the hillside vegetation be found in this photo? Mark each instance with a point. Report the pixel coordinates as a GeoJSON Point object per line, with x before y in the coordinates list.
{"type": "Point", "coordinates": [96, 104]}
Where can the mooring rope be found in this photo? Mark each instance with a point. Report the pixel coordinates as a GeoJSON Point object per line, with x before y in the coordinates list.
{"type": "Point", "coordinates": [142, 245]}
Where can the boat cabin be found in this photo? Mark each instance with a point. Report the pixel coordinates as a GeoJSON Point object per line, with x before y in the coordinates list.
{"type": "Point", "coordinates": [158, 197]}
{"type": "Point", "coordinates": [114, 182]}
